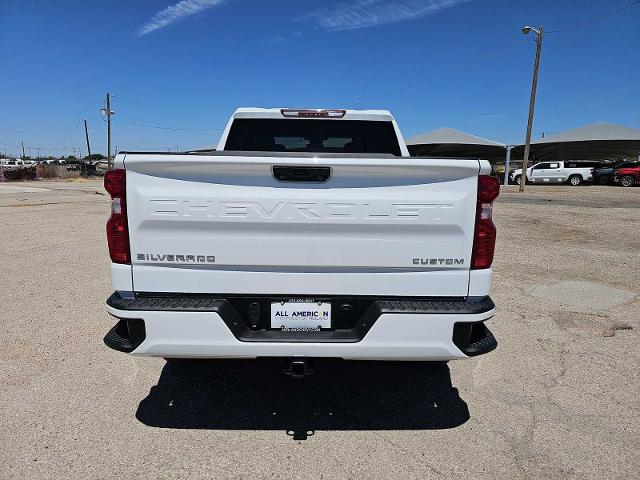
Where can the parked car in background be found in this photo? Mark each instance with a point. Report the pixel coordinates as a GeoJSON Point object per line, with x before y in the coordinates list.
{"type": "Point", "coordinates": [15, 163]}
{"type": "Point", "coordinates": [85, 167]}
{"type": "Point", "coordinates": [604, 174]}
{"type": "Point", "coordinates": [627, 176]}
{"type": "Point", "coordinates": [572, 172]}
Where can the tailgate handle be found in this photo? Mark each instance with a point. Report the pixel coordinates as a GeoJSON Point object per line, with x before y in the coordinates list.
{"type": "Point", "coordinates": [286, 173]}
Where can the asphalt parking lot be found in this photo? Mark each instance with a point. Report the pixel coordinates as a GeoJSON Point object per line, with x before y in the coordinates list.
{"type": "Point", "coordinates": [557, 399]}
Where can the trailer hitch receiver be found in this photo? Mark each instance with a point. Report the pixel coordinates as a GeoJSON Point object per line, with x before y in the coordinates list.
{"type": "Point", "coordinates": [298, 368]}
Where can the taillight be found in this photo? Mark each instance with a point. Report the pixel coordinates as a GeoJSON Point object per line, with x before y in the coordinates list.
{"type": "Point", "coordinates": [484, 238]}
{"type": "Point", "coordinates": [117, 227]}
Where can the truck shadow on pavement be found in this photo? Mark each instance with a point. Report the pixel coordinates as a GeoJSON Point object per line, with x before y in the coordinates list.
{"type": "Point", "coordinates": [254, 395]}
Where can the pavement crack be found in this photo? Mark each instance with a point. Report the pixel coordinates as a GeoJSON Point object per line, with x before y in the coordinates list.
{"type": "Point", "coordinates": [411, 454]}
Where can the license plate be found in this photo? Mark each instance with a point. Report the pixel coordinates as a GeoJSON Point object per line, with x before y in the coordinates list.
{"type": "Point", "coordinates": [303, 316]}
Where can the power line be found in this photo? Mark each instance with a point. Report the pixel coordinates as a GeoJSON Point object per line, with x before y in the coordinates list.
{"type": "Point", "coordinates": [161, 127]}
{"type": "Point", "coordinates": [59, 147]}
{"type": "Point", "coordinates": [9, 145]}
{"type": "Point", "coordinates": [52, 148]}
{"type": "Point", "coordinates": [595, 19]}
{"type": "Point", "coordinates": [24, 132]}
{"type": "Point", "coordinates": [154, 107]}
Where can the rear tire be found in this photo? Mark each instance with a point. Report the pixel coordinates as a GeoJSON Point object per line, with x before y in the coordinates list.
{"type": "Point", "coordinates": [518, 180]}
{"type": "Point", "coordinates": [627, 181]}
{"type": "Point", "coordinates": [575, 180]}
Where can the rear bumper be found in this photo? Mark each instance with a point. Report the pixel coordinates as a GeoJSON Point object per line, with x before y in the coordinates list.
{"type": "Point", "coordinates": [394, 329]}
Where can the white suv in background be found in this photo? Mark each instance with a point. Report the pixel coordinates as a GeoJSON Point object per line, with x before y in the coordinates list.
{"type": "Point", "coordinates": [572, 172]}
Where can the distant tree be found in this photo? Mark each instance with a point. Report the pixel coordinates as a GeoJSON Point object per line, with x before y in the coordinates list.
{"type": "Point", "coordinates": [95, 156]}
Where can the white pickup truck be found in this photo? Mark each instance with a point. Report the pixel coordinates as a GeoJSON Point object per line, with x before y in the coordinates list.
{"type": "Point", "coordinates": [572, 172]}
{"type": "Point", "coordinates": [305, 234]}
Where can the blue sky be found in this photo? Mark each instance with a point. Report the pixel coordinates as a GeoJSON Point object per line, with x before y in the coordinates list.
{"type": "Point", "coordinates": [189, 64]}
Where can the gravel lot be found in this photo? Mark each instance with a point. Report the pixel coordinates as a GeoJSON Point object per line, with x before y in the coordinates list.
{"type": "Point", "coordinates": [557, 399]}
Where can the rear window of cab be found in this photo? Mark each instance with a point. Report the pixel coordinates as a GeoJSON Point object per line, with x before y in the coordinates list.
{"type": "Point", "coordinates": [312, 135]}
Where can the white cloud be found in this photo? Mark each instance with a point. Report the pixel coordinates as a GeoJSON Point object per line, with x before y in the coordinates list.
{"type": "Point", "coordinates": [370, 13]}
{"type": "Point", "coordinates": [180, 10]}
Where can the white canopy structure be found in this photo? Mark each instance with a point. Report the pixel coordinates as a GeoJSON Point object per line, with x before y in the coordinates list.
{"type": "Point", "coordinates": [448, 142]}
{"type": "Point", "coordinates": [450, 136]}
{"type": "Point", "coordinates": [593, 132]}
{"type": "Point", "coordinates": [597, 141]}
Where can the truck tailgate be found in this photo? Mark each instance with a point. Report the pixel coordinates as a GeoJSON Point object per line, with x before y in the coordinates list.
{"type": "Point", "coordinates": [222, 223]}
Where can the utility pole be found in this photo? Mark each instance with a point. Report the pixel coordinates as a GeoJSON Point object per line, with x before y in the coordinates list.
{"type": "Point", "coordinates": [109, 131]}
{"type": "Point", "coordinates": [507, 165]}
{"type": "Point", "coordinates": [107, 111]}
{"type": "Point", "coordinates": [38, 152]}
{"type": "Point", "coordinates": [532, 102]}
{"type": "Point", "coordinates": [22, 150]}
{"type": "Point", "coordinates": [86, 136]}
